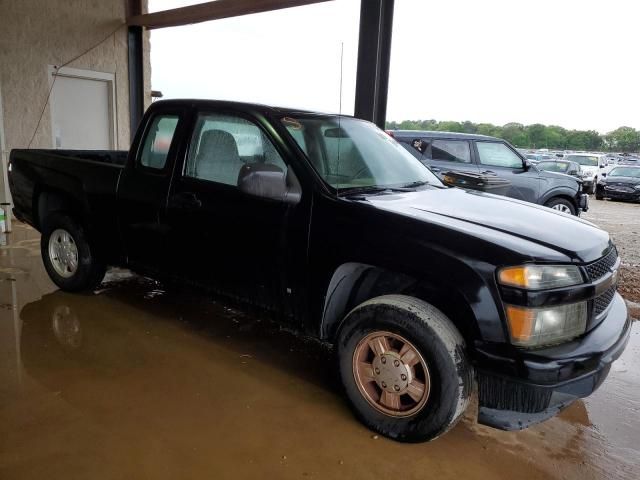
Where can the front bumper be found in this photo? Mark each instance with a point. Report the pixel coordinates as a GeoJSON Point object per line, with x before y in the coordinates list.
{"type": "Point", "coordinates": [551, 378]}
{"type": "Point", "coordinates": [616, 194]}
{"type": "Point", "coordinates": [582, 199]}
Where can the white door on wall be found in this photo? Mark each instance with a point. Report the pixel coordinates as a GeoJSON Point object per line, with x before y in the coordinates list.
{"type": "Point", "coordinates": [82, 107]}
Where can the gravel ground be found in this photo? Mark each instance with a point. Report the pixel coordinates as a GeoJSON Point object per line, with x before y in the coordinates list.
{"type": "Point", "coordinates": [622, 221]}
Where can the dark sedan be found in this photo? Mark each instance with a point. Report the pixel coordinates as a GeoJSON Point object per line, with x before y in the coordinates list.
{"type": "Point", "coordinates": [621, 183]}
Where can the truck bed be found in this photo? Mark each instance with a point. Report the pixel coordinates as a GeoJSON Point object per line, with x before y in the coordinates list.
{"type": "Point", "coordinates": [87, 178]}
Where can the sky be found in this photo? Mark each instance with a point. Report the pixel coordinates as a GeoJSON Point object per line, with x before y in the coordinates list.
{"type": "Point", "coordinates": [573, 63]}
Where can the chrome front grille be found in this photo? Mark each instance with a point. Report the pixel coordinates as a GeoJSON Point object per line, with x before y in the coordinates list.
{"type": "Point", "coordinates": [600, 268]}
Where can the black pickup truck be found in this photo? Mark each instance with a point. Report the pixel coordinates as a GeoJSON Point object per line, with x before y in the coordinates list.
{"type": "Point", "coordinates": [328, 225]}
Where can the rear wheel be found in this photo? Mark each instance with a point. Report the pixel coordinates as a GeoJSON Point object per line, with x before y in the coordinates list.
{"type": "Point", "coordinates": [404, 368]}
{"type": "Point", "coordinates": [562, 205]}
{"type": "Point", "coordinates": [67, 255]}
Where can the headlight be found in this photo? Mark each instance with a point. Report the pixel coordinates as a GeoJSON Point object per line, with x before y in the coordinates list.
{"type": "Point", "coordinates": [536, 277]}
{"type": "Point", "coordinates": [535, 327]}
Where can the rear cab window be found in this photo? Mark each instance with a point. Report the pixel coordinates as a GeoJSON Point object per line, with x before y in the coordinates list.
{"type": "Point", "coordinates": [157, 142]}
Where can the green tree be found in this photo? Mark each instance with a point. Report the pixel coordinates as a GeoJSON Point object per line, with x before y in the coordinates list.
{"type": "Point", "coordinates": [448, 126]}
{"type": "Point", "coordinates": [537, 135]}
{"type": "Point", "coordinates": [625, 139]}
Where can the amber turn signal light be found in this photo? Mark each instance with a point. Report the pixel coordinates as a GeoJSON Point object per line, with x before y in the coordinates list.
{"type": "Point", "coordinates": [521, 323]}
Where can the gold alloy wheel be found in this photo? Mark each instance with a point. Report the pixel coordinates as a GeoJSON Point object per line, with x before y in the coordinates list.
{"type": "Point", "coordinates": [391, 374]}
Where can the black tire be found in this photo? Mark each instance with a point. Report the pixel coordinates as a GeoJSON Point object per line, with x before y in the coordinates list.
{"type": "Point", "coordinates": [90, 270]}
{"type": "Point", "coordinates": [441, 346]}
{"type": "Point", "coordinates": [557, 201]}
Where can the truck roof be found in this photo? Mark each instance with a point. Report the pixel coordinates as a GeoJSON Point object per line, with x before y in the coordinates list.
{"type": "Point", "coordinates": [247, 106]}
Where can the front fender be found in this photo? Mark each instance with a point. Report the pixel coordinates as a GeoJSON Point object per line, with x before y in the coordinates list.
{"type": "Point", "coordinates": [463, 293]}
{"type": "Point", "coordinates": [561, 191]}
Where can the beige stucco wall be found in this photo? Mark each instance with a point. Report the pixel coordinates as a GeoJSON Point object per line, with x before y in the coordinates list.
{"type": "Point", "coordinates": [35, 34]}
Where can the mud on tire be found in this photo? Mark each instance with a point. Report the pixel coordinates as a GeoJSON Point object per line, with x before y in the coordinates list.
{"type": "Point", "coordinates": [437, 341]}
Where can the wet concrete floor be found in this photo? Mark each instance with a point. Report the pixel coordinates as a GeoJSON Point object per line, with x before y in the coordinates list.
{"type": "Point", "coordinates": [137, 382]}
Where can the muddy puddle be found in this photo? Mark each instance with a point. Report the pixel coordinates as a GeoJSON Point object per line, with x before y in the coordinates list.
{"type": "Point", "coordinates": [138, 381]}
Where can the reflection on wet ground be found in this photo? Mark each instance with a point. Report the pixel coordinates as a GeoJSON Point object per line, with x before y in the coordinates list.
{"type": "Point", "coordinates": [138, 382]}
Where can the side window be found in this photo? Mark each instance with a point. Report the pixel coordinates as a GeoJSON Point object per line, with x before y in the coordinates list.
{"type": "Point", "coordinates": [497, 154]}
{"type": "Point", "coordinates": [222, 144]}
{"type": "Point", "coordinates": [158, 141]}
{"type": "Point", "coordinates": [451, 151]}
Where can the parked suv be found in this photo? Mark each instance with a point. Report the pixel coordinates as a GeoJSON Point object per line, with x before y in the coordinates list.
{"type": "Point", "coordinates": [592, 165]}
{"type": "Point", "coordinates": [445, 152]}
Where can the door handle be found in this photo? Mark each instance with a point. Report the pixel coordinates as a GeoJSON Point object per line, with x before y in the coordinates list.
{"type": "Point", "coordinates": [435, 169]}
{"type": "Point", "coordinates": [185, 200]}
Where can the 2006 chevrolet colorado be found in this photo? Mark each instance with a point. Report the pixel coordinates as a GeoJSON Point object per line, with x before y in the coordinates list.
{"type": "Point", "coordinates": [330, 225]}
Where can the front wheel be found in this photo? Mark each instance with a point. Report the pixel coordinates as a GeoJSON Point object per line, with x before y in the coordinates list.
{"type": "Point", "coordinates": [562, 205]}
{"type": "Point", "coordinates": [67, 255]}
{"type": "Point", "coordinates": [404, 368]}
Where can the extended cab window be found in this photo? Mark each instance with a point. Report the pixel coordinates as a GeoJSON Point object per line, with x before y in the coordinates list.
{"type": "Point", "coordinates": [497, 154]}
{"type": "Point", "coordinates": [223, 144]}
{"type": "Point", "coordinates": [451, 151]}
{"type": "Point", "coordinates": [157, 142]}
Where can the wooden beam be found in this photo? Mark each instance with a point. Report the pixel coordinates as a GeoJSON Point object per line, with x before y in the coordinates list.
{"type": "Point", "coordinates": [215, 10]}
{"type": "Point", "coordinates": [133, 7]}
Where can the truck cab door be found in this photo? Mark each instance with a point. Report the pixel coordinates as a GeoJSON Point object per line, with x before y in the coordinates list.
{"type": "Point", "coordinates": [241, 245]}
{"type": "Point", "coordinates": [144, 184]}
{"type": "Point", "coordinates": [500, 159]}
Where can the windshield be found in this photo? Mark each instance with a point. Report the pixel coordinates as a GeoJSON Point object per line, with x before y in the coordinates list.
{"type": "Point", "coordinates": [625, 172]}
{"type": "Point", "coordinates": [560, 167]}
{"type": "Point", "coordinates": [587, 161]}
{"type": "Point", "coordinates": [350, 153]}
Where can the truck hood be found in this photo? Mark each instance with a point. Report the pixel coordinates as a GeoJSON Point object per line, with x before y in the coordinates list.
{"type": "Point", "coordinates": [576, 238]}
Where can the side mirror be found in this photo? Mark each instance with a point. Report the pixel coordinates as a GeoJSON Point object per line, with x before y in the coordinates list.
{"type": "Point", "coordinates": [572, 172]}
{"type": "Point", "coordinates": [604, 175]}
{"type": "Point", "coordinates": [269, 181]}
{"type": "Point", "coordinates": [526, 164]}
{"type": "Point", "coordinates": [601, 166]}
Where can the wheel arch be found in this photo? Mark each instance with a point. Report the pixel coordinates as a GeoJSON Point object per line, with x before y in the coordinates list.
{"type": "Point", "coordinates": [48, 200]}
{"type": "Point", "coordinates": [354, 283]}
{"type": "Point", "coordinates": [562, 192]}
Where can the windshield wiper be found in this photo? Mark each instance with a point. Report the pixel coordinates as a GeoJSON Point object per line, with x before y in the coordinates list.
{"type": "Point", "coordinates": [419, 183]}
{"type": "Point", "coordinates": [370, 190]}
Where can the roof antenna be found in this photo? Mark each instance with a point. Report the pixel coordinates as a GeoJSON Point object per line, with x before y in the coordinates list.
{"type": "Point", "coordinates": [339, 120]}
